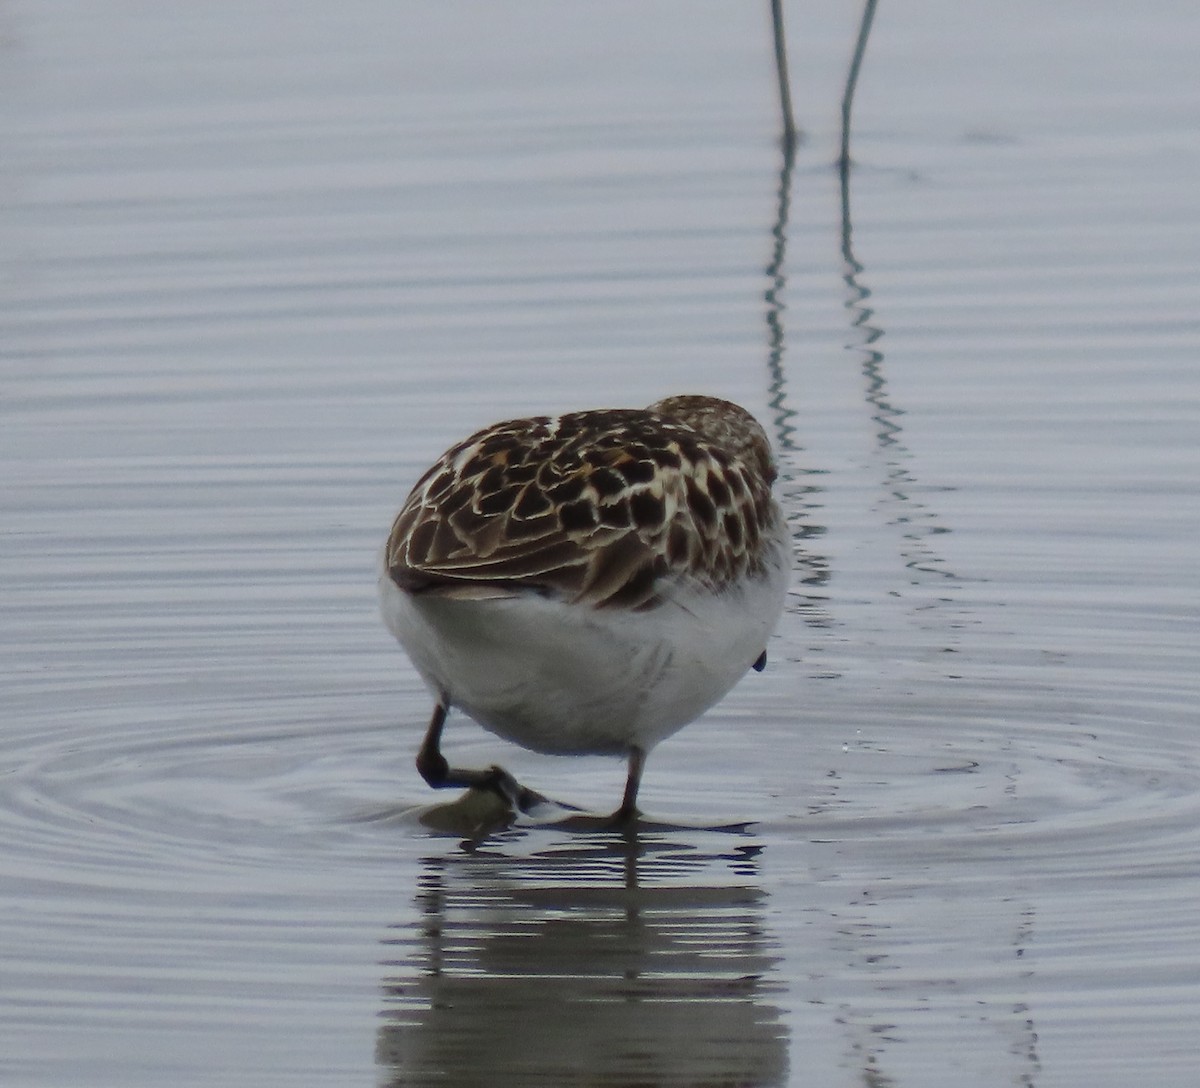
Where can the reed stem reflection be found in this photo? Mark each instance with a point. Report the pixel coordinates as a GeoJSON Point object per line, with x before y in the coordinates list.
{"type": "Point", "coordinates": [912, 518]}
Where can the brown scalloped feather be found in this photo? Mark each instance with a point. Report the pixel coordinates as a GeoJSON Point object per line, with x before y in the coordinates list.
{"type": "Point", "coordinates": [592, 507]}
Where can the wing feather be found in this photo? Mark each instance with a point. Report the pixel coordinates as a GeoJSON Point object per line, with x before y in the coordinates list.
{"type": "Point", "coordinates": [594, 507]}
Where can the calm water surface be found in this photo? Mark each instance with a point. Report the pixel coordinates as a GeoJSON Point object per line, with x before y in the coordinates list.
{"type": "Point", "coordinates": [260, 263]}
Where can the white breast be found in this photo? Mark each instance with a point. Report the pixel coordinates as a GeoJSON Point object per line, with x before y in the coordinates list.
{"type": "Point", "coordinates": [563, 678]}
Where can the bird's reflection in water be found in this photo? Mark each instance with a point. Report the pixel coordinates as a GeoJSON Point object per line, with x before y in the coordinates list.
{"type": "Point", "coordinates": [608, 960]}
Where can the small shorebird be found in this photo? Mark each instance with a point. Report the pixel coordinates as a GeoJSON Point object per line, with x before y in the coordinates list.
{"type": "Point", "coordinates": [588, 583]}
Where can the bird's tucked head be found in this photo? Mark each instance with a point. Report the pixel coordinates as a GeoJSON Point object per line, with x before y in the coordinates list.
{"type": "Point", "coordinates": [725, 424]}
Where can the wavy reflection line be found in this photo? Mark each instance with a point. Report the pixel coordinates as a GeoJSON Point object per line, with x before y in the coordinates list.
{"type": "Point", "coordinates": [597, 964]}
{"type": "Point", "coordinates": [868, 1033]}
{"type": "Point", "coordinates": [1025, 1041]}
{"type": "Point", "coordinates": [893, 994]}
{"type": "Point", "coordinates": [799, 487]}
{"type": "Point", "coordinates": [783, 416]}
{"type": "Point", "coordinates": [915, 522]}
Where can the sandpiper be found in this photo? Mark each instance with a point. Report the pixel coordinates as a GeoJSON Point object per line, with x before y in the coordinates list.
{"type": "Point", "coordinates": [588, 583]}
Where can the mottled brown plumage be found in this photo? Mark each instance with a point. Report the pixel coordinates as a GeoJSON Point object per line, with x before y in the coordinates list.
{"type": "Point", "coordinates": [590, 583]}
{"type": "Point", "coordinates": [596, 508]}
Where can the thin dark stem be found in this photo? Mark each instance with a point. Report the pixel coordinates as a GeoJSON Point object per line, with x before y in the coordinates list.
{"type": "Point", "coordinates": [781, 70]}
{"type": "Point", "coordinates": [860, 48]}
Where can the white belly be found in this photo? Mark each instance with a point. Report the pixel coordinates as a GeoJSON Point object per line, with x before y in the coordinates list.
{"type": "Point", "coordinates": [564, 678]}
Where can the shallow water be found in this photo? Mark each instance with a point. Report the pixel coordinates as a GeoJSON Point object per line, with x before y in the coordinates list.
{"type": "Point", "coordinates": [261, 263]}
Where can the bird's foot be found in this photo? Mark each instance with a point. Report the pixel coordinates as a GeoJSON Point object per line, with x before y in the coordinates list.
{"type": "Point", "coordinates": [624, 819]}
{"type": "Point", "coordinates": [519, 798]}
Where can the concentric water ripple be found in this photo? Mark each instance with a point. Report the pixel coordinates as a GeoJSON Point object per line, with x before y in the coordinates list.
{"type": "Point", "coordinates": [257, 274]}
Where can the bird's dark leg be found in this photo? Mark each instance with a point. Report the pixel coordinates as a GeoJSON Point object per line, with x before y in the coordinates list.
{"type": "Point", "coordinates": [430, 762]}
{"type": "Point", "coordinates": [439, 774]}
{"type": "Point", "coordinates": [628, 812]}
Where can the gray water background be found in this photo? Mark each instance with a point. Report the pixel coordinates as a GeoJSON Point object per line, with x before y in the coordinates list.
{"type": "Point", "coordinates": [261, 262]}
